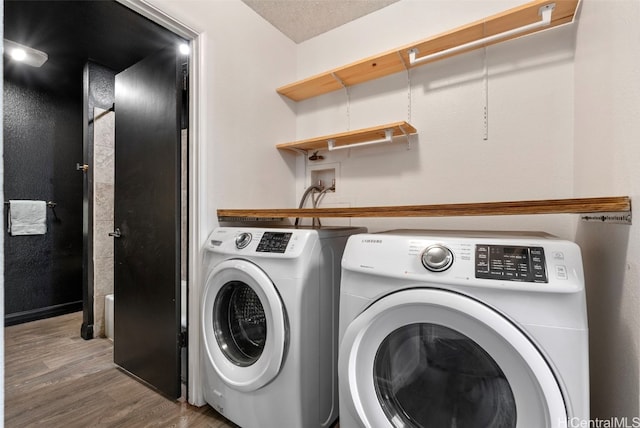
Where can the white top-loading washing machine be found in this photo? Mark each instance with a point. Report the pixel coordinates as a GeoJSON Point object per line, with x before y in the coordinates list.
{"type": "Point", "coordinates": [462, 329]}
{"type": "Point", "coordinates": [270, 324]}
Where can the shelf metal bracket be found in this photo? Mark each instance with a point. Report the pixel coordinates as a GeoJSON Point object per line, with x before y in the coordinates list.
{"type": "Point", "coordinates": [406, 135]}
{"type": "Point", "coordinates": [618, 217]}
{"type": "Point", "coordinates": [302, 152]}
{"type": "Point", "coordinates": [339, 80]}
{"type": "Point", "coordinates": [249, 219]}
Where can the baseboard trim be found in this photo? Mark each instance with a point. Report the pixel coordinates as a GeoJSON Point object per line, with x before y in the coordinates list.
{"type": "Point", "coordinates": [42, 313]}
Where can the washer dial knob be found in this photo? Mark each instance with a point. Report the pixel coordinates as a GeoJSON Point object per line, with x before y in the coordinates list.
{"type": "Point", "coordinates": [242, 240]}
{"type": "Point", "coordinates": [437, 258]}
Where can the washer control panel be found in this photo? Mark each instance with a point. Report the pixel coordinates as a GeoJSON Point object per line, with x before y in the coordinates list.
{"type": "Point", "coordinates": [242, 240]}
{"type": "Point", "coordinates": [437, 258]}
{"type": "Point", "coordinates": [510, 263]}
{"type": "Point", "coordinates": [274, 242]}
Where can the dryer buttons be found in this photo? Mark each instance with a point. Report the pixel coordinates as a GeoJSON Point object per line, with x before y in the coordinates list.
{"type": "Point", "coordinates": [561, 272]}
{"type": "Point", "coordinates": [437, 258]}
{"type": "Point", "coordinates": [242, 240]}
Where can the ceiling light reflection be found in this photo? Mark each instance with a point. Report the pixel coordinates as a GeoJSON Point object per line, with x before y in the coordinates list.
{"type": "Point", "coordinates": [184, 49]}
{"type": "Point", "coordinates": [24, 54]}
{"type": "Point", "coordinates": [18, 54]}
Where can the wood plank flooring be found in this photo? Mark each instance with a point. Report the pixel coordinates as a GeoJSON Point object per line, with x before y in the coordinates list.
{"type": "Point", "coordinates": [54, 378]}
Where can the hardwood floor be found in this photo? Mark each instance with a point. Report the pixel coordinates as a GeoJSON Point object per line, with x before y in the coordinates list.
{"type": "Point", "coordinates": [54, 378]}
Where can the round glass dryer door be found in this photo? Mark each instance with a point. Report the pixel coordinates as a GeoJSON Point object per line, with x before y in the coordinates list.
{"type": "Point", "coordinates": [244, 325]}
{"type": "Point", "coordinates": [428, 375]}
{"type": "Point", "coordinates": [429, 358]}
{"type": "Point", "coordinates": [239, 323]}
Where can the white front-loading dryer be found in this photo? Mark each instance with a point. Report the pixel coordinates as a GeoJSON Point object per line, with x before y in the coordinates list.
{"type": "Point", "coordinates": [243, 305]}
{"type": "Point", "coordinates": [270, 324]}
{"type": "Point", "coordinates": [462, 329]}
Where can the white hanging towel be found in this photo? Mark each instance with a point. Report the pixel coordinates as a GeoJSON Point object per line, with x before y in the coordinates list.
{"type": "Point", "coordinates": [27, 217]}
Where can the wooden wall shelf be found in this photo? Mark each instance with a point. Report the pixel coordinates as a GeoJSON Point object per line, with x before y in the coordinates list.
{"type": "Point", "coordinates": [397, 60]}
{"type": "Point", "coordinates": [592, 206]}
{"type": "Point", "coordinates": [349, 138]}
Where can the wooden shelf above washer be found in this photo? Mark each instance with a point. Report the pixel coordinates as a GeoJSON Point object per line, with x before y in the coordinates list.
{"type": "Point", "coordinates": [397, 60]}
{"type": "Point", "coordinates": [344, 139]}
{"type": "Point", "coordinates": [616, 209]}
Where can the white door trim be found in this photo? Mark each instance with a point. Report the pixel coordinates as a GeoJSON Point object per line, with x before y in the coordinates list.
{"type": "Point", "coordinates": [196, 135]}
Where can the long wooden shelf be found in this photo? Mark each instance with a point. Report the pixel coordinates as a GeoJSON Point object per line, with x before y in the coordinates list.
{"type": "Point", "coordinates": [397, 60]}
{"type": "Point", "coordinates": [618, 204]}
{"type": "Point", "coordinates": [351, 137]}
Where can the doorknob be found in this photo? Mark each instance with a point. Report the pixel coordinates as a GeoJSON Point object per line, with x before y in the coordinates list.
{"type": "Point", "coordinates": [116, 233]}
{"type": "Point", "coordinates": [82, 167]}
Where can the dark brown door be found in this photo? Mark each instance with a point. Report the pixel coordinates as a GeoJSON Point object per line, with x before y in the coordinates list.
{"type": "Point", "coordinates": [147, 220]}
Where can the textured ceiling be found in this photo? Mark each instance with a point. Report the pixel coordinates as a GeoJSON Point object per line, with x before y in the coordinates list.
{"type": "Point", "coordinates": [303, 19]}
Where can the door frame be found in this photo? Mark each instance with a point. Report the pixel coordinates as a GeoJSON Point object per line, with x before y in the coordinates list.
{"type": "Point", "coordinates": [196, 135]}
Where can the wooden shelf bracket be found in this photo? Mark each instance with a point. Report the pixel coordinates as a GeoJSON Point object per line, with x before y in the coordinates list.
{"type": "Point", "coordinates": [615, 209]}
{"type": "Point", "coordinates": [529, 18]}
{"type": "Point", "coordinates": [357, 138]}
{"type": "Point", "coordinates": [544, 11]}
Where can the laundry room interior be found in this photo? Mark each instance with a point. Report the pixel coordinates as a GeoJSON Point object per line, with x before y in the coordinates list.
{"type": "Point", "coordinates": [550, 116]}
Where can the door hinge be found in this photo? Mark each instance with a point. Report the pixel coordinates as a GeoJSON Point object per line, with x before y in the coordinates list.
{"type": "Point", "coordinates": [182, 339]}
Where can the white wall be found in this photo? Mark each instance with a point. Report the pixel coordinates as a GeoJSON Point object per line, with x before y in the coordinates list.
{"type": "Point", "coordinates": [243, 59]}
{"type": "Point", "coordinates": [529, 151]}
{"type": "Point", "coordinates": [607, 160]}
{"type": "Point", "coordinates": [240, 61]}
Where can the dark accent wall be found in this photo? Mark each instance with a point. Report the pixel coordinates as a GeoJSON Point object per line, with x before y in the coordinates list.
{"type": "Point", "coordinates": [101, 87]}
{"type": "Point", "coordinates": [72, 33]}
{"type": "Point", "coordinates": [42, 143]}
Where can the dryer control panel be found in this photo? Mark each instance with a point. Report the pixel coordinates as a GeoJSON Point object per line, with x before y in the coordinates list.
{"type": "Point", "coordinates": [274, 242]}
{"type": "Point", "coordinates": [510, 263]}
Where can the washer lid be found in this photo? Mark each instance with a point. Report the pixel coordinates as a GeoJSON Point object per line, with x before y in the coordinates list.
{"type": "Point", "coordinates": [427, 357]}
{"type": "Point", "coordinates": [244, 325]}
